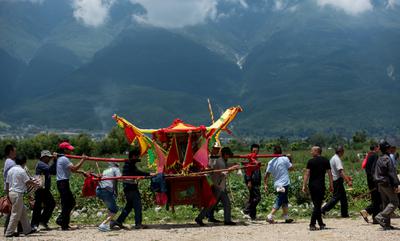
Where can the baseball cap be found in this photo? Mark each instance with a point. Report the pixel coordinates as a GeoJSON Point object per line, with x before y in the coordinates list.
{"type": "Point", "coordinates": [66, 145]}
{"type": "Point", "coordinates": [45, 153]}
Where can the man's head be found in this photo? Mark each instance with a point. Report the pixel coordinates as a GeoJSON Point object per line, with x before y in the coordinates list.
{"type": "Point", "coordinates": [20, 160]}
{"type": "Point", "coordinates": [392, 150]}
{"type": "Point", "coordinates": [45, 156]}
{"type": "Point", "coordinates": [384, 146]}
{"type": "Point", "coordinates": [134, 154]}
{"type": "Point", "coordinates": [255, 148]}
{"type": "Point", "coordinates": [374, 147]}
{"type": "Point", "coordinates": [65, 147]}
{"type": "Point", "coordinates": [316, 151]}
{"type": "Point", "coordinates": [339, 150]}
{"type": "Point", "coordinates": [216, 149]}
{"type": "Point", "coordinates": [226, 153]}
{"type": "Point", "coordinates": [277, 150]}
{"type": "Point", "coordinates": [10, 151]}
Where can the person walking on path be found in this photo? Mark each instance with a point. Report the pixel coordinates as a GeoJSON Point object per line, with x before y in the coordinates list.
{"type": "Point", "coordinates": [314, 177]}
{"type": "Point", "coordinates": [17, 183]}
{"type": "Point", "coordinates": [388, 185]}
{"type": "Point", "coordinates": [44, 200]}
{"type": "Point", "coordinates": [107, 191]}
{"type": "Point", "coordinates": [10, 152]}
{"type": "Point", "coordinates": [64, 168]}
{"type": "Point", "coordinates": [219, 188]}
{"type": "Point", "coordinates": [339, 177]}
{"type": "Point", "coordinates": [279, 168]}
{"type": "Point", "coordinates": [252, 180]}
{"type": "Point", "coordinates": [131, 191]}
{"type": "Point", "coordinates": [375, 206]}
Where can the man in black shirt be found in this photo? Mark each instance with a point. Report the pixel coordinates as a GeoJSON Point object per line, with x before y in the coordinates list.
{"type": "Point", "coordinates": [374, 208]}
{"type": "Point", "coordinates": [253, 182]}
{"type": "Point", "coordinates": [388, 183]}
{"type": "Point", "coordinates": [44, 200]}
{"type": "Point", "coordinates": [315, 178]}
{"type": "Point", "coordinates": [131, 191]}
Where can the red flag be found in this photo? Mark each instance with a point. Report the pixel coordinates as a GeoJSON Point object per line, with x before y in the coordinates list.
{"type": "Point", "coordinates": [173, 155]}
{"type": "Point", "coordinates": [201, 156]}
{"type": "Point", "coordinates": [189, 153]}
{"type": "Point", "coordinates": [161, 160]}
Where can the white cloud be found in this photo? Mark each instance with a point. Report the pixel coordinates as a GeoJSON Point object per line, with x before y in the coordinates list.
{"type": "Point", "coordinates": [392, 3]}
{"type": "Point", "coordinates": [176, 13]}
{"type": "Point", "coordinates": [92, 13]}
{"type": "Point", "coordinates": [32, 1]}
{"type": "Point", "coordinates": [352, 7]}
{"type": "Point", "coordinates": [279, 4]}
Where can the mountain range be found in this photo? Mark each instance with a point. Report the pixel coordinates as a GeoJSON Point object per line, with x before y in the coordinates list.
{"type": "Point", "coordinates": [296, 67]}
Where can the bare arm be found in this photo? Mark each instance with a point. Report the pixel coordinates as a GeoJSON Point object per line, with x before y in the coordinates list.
{"type": "Point", "coordinates": [330, 180]}
{"type": "Point", "coordinates": [7, 188]}
{"type": "Point", "coordinates": [266, 182]}
{"type": "Point", "coordinates": [75, 168]}
{"type": "Point", "coordinates": [305, 180]}
{"type": "Point", "coordinates": [347, 179]}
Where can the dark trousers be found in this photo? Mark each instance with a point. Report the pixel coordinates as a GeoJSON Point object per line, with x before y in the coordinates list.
{"type": "Point", "coordinates": [339, 194]}
{"type": "Point", "coordinates": [375, 206]}
{"type": "Point", "coordinates": [133, 200]}
{"type": "Point", "coordinates": [254, 199]}
{"type": "Point", "coordinates": [390, 202]}
{"type": "Point", "coordinates": [67, 203]}
{"type": "Point", "coordinates": [223, 196]}
{"type": "Point", "coordinates": [317, 197]}
{"type": "Point", "coordinates": [43, 208]}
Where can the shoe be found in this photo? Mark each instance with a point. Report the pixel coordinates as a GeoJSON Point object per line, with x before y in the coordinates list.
{"type": "Point", "coordinates": [103, 227]}
{"type": "Point", "coordinates": [213, 220]}
{"type": "Point", "coordinates": [141, 226]}
{"type": "Point", "coordinates": [289, 220]}
{"type": "Point", "coordinates": [386, 228]}
{"type": "Point", "coordinates": [116, 225]}
{"type": "Point", "coordinates": [229, 223]}
{"type": "Point", "coordinates": [199, 222]}
{"type": "Point", "coordinates": [45, 226]}
{"type": "Point", "coordinates": [345, 216]}
{"type": "Point", "coordinates": [364, 215]}
{"type": "Point", "coordinates": [313, 228]}
{"type": "Point", "coordinates": [381, 221]}
{"type": "Point", "coordinates": [270, 220]}
{"type": "Point", "coordinates": [31, 232]}
{"type": "Point", "coordinates": [12, 235]}
{"type": "Point", "coordinates": [374, 221]}
{"type": "Point", "coordinates": [322, 226]}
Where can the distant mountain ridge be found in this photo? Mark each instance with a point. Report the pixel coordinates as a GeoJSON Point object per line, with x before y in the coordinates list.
{"type": "Point", "coordinates": [296, 68]}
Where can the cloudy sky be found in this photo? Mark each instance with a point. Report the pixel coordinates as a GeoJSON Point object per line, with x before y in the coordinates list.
{"type": "Point", "coordinates": [180, 13]}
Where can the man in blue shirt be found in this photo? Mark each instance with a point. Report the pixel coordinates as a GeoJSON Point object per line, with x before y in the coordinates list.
{"type": "Point", "coordinates": [279, 168]}
{"type": "Point", "coordinates": [44, 200]}
{"type": "Point", "coordinates": [64, 169]}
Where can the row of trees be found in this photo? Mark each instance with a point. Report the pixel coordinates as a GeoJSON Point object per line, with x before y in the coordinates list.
{"type": "Point", "coordinates": [115, 143]}
{"type": "Point", "coordinates": [358, 141]}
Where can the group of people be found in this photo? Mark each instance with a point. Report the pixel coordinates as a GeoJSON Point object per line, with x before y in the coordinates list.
{"type": "Point", "coordinates": [382, 180]}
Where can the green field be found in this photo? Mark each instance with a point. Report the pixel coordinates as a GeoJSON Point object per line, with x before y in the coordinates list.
{"type": "Point", "coordinates": [92, 210]}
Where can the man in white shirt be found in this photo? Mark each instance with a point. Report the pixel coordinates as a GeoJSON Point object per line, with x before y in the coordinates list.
{"type": "Point", "coordinates": [10, 152]}
{"type": "Point", "coordinates": [16, 185]}
{"type": "Point", "coordinates": [339, 177]}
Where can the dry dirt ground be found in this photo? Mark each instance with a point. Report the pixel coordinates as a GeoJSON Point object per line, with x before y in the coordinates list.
{"type": "Point", "coordinates": [338, 229]}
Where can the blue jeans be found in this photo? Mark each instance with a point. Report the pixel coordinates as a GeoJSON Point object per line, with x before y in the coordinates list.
{"type": "Point", "coordinates": [108, 198]}
{"type": "Point", "coordinates": [282, 199]}
{"type": "Point", "coordinates": [133, 200]}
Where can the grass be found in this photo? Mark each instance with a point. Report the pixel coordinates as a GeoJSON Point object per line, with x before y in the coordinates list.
{"type": "Point", "coordinates": [92, 210]}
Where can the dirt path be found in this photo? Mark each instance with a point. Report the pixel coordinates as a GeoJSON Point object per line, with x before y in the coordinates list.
{"type": "Point", "coordinates": [339, 229]}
